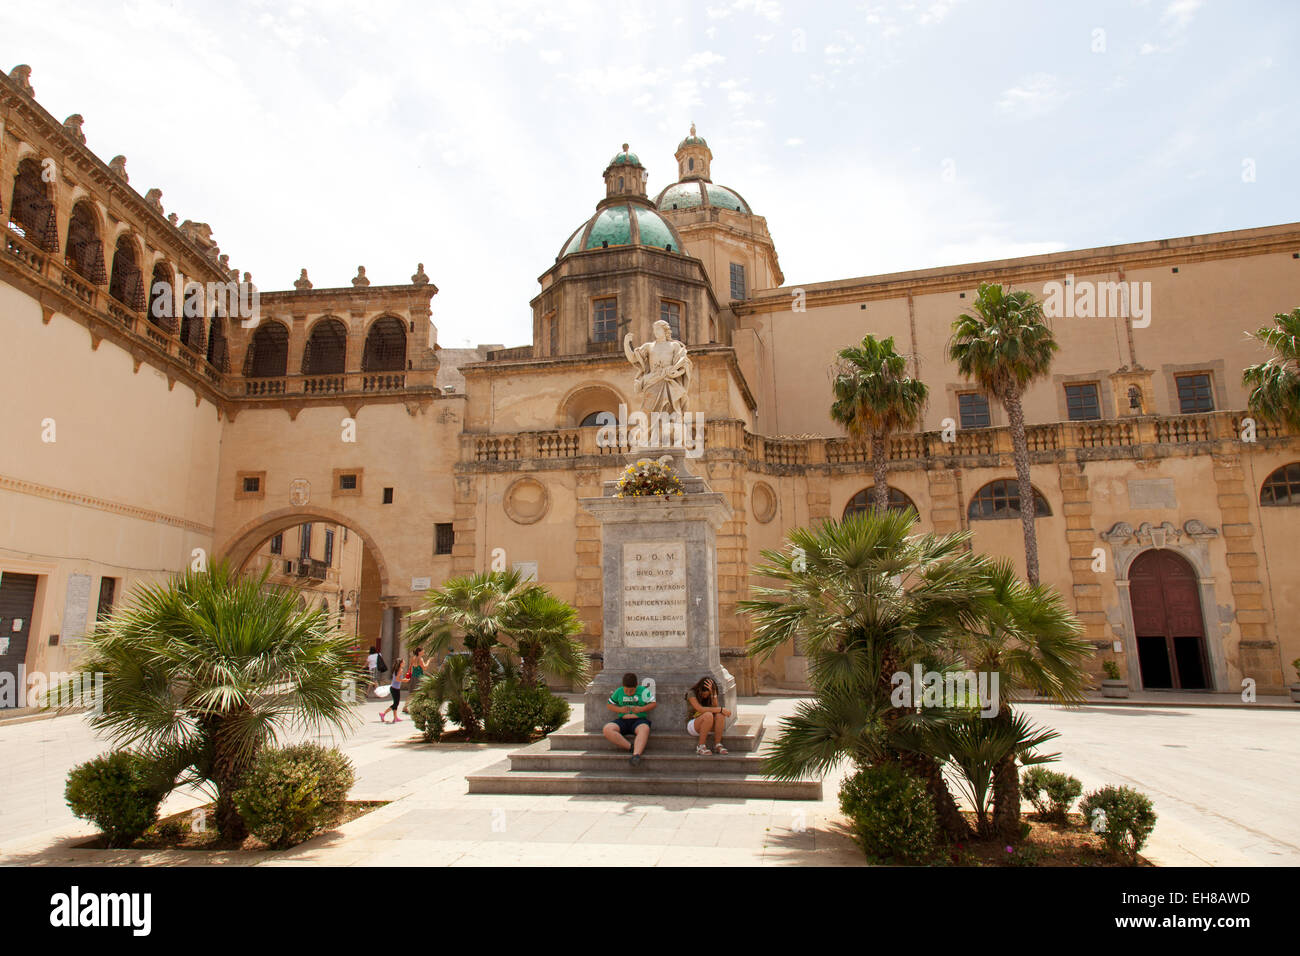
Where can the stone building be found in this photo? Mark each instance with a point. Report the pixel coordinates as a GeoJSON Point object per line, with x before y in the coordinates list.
{"type": "Point", "coordinates": [138, 438]}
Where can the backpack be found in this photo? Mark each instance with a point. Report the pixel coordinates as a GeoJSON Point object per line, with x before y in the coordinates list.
{"type": "Point", "coordinates": [380, 664]}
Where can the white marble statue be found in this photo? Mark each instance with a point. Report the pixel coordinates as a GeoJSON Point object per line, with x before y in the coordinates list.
{"type": "Point", "coordinates": [663, 372]}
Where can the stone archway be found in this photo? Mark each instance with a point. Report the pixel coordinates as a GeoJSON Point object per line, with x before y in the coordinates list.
{"type": "Point", "coordinates": [384, 628]}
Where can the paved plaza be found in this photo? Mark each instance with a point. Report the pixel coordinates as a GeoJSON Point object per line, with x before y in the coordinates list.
{"type": "Point", "coordinates": [1221, 779]}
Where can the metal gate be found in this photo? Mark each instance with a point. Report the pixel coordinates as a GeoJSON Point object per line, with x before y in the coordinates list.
{"type": "Point", "coordinates": [17, 601]}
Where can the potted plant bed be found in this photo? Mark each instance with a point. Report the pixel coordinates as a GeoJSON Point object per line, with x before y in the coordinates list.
{"type": "Point", "coordinates": [1114, 685]}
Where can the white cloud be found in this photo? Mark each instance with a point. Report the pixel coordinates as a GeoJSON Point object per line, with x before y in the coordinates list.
{"type": "Point", "coordinates": [1181, 12]}
{"type": "Point", "coordinates": [1034, 95]}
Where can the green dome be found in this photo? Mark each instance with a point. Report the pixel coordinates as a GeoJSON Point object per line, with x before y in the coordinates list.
{"type": "Point", "coordinates": [625, 158]}
{"type": "Point", "coordinates": [623, 224]}
{"type": "Point", "coordinates": [693, 140]}
{"type": "Point", "coordinates": [694, 193]}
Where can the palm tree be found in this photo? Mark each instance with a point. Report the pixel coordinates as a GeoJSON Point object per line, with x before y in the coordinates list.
{"type": "Point", "coordinates": [874, 398]}
{"type": "Point", "coordinates": [545, 633]}
{"type": "Point", "coordinates": [1028, 637]}
{"type": "Point", "coordinates": [865, 601]}
{"type": "Point", "coordinates": [478, 606]}
{"type": "Point", "coordinates": [1275, 385]}
{"type": "Point", "coordinates": [204, 670]}
{"type": "Point", "coordinates": [1003, 347]}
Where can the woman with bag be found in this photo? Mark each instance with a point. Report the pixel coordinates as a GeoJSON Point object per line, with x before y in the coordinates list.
{"type": "Point", "coordinates": [395, 687]}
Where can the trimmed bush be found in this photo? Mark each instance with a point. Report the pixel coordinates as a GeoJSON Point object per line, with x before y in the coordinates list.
{"type": "Point", "coordinates": [890, 813]}
{"type": "Point", "coordinates": [518, 712]}
{"type": "Point", "coordinates": [1123, 816]}
{"type": "Point", "coordinates": [292, 793]}
{"type": "Point", "coordinates": [425, 710]}
{"type": "Point", "coordinates": [1050, 792]}
{"type": "Point", "coordinates": [118, 792]}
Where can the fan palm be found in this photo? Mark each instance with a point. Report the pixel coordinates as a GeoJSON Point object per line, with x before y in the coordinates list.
{"type": "Point", "coordinates": [1275, 385]}
{"type": "Point", "coordinates": [1028, 637]}
{"type": "Point", "coordinates": [875, 397]}
{"type": "Point", "coordinates": [478, 606]}
{"type": "Point", "coordinates": [864, 601]}
{"type": "Point", "coordinates": [204, 670]}
{"type": "Point", "coordinates": [545, 632]}
{"type": "Point", "coordinates": [1003, 347]}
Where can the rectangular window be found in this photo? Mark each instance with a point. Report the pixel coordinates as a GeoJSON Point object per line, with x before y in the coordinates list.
{"type": "Point", "coordinates": [671, 312]}
{"type": "Point", "coordinates": [277, 543]}
{"type": "Point", "coordinates": [974, 410]}
{"type": "Point", "coordinates": [443, 538]}
{"type": "Point", "coordinates": [604, 323]}
{"type": "Point", "coordinates": [1082, 403]}
{"type": "Point", "coordinates": [1194, 394]}
{"type": "Point", "coordinates": [553, 334]}
{"type": "Point", "coordinates": [107, 591]}
{"type": "Point", "coordinates": [252, 484]}
{"type": "Point", "coordinates": [249, 484]}
{"type": "Point", "coordinates": [737, 281]}
{"type": "Point", "coordinates": [347, 482]}
{"type": "Point", "coordinates": [329, 548]}
{"type": "Point", "coordinates": [388, 496]}
{"type": "Point", "coordinates": [305, 550]}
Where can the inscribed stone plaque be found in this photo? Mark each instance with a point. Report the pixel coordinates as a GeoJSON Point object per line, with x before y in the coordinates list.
{"type": "Point", "coordinates": [1152, 493]}
{"type": "Point", "coordinates": [654, 594]}
{"type": "Point", "coordinates": [76, 605]}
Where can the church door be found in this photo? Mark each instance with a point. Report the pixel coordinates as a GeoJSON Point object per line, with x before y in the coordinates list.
{"type": "Point", "coordinates": [1168, 623]}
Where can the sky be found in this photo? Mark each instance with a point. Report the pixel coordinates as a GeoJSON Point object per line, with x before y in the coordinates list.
{"type": "Point", "coordinates": [874, 137]}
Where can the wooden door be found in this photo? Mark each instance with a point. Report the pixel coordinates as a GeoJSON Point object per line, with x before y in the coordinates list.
{"type": "Point", "coordinates": [1168, 623]}
{"type": "Point", "coordinates": [17, 601]}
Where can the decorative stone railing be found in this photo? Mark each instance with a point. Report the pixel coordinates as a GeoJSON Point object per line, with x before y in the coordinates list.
{"type": "Point", "coordinates": [1090, 439]}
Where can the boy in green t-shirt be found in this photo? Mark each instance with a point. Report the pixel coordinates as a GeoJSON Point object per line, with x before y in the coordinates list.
{"type": "Point", "coordinates": [631, 703]}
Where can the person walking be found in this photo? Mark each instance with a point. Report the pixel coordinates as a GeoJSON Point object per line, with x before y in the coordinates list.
{"type": "Point", "coordinates": [395, 688]}
{"type": "Point", "coordinates": [414, 674]}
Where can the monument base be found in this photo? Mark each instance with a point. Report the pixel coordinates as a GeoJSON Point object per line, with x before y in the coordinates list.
{"type": "Point", "coordinates": [671, 685]}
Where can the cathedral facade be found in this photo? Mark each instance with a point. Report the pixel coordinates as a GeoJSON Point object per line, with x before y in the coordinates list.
{"type": "Point", "coordinates": [143, 437]}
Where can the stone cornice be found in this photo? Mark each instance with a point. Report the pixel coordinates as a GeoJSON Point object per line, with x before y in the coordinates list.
{"type": "Point", "coordinates": [37, 490]}
{"type": "Point", "coordinates": [1265, 240]}
{"type": "Point", "coordinates": [316, 298]}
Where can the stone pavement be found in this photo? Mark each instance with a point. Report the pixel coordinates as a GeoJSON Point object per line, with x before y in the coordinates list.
{"type": "Point", "coordinates": [1221, 780]}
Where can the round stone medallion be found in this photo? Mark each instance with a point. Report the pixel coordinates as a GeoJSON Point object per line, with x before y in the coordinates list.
{"type": "Point", "coordinates": [763, 502]}
{"type": "Point", "coordinates": [526, 501]}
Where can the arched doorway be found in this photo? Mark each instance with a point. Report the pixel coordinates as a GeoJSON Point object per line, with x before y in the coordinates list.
{"type": "Point", "coordinates": [1168, 623]}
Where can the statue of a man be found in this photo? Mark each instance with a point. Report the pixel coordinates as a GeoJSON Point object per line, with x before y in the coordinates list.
{"type": "Point", "coordinates": [663, 371]}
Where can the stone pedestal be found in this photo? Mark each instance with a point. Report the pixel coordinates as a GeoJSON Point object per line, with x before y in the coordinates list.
{"type": "Point", "coordinates": [660, 576]}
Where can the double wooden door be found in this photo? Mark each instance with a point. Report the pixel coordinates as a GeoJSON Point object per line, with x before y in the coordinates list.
{"type": "Point", "coordinates": [1168, 623]}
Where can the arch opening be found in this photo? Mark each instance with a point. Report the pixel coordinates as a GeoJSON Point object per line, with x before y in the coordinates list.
{"type": "Point", "coordinates": [1168, 622]}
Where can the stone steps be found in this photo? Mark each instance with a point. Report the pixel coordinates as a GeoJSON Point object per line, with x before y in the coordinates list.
{"type": "Point", "coordinates": [572, 762]}
{"type": "Point", "coordinates": [745, 736]}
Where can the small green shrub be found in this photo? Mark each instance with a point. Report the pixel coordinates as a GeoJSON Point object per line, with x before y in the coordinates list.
{"type": "Point", "coordinates": [1123, 816]}
{"type": "Point", "coordinates": [294, 792]}
{"type": "Point", "coordinates": [425, 711]}
{"type": "Point", "coordinates": [518, 712]}
{"type": "Point", "coordinates": [1050, 792]}
{"type": "Point", "coordinates": [1295, 666]}
{"type": "Point", "coordinates": [172, 831]}
{"type": "Point", "coordinates": [555, 714]}
{"type": "Point", "coordinates": [890, 813]}
{"type": "Point", "coordinates": [1112, 670]}
{"type": "Point", "coordinates": [118, 792]}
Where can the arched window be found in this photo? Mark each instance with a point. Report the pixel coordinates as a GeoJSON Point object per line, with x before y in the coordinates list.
{"type": "Point", "coordinates": [1001, 499]}
{"type": "Point", "coordinates": [218, 349]}
{"type": "Point", "coordinates": [268, 352]}
{"type": "Point", "coordinates": [1281, 489]}
{"type": "Point", "coordinates": [385, 346]}
{"type": "Point", "coordinates": [326, 349]}
{"type": "Point", "coordinates": [862, 501]}
{"type": "Point", "coordinates": [163, 306]}
{"type": "Point", "coordinates": [593, 420]}
{"type": "Point", "coordinates": [127, 282]}
{"type": "Point", "coordinates": [84, 250]}
{"type": "Point", "coordinates": [31, 209]}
